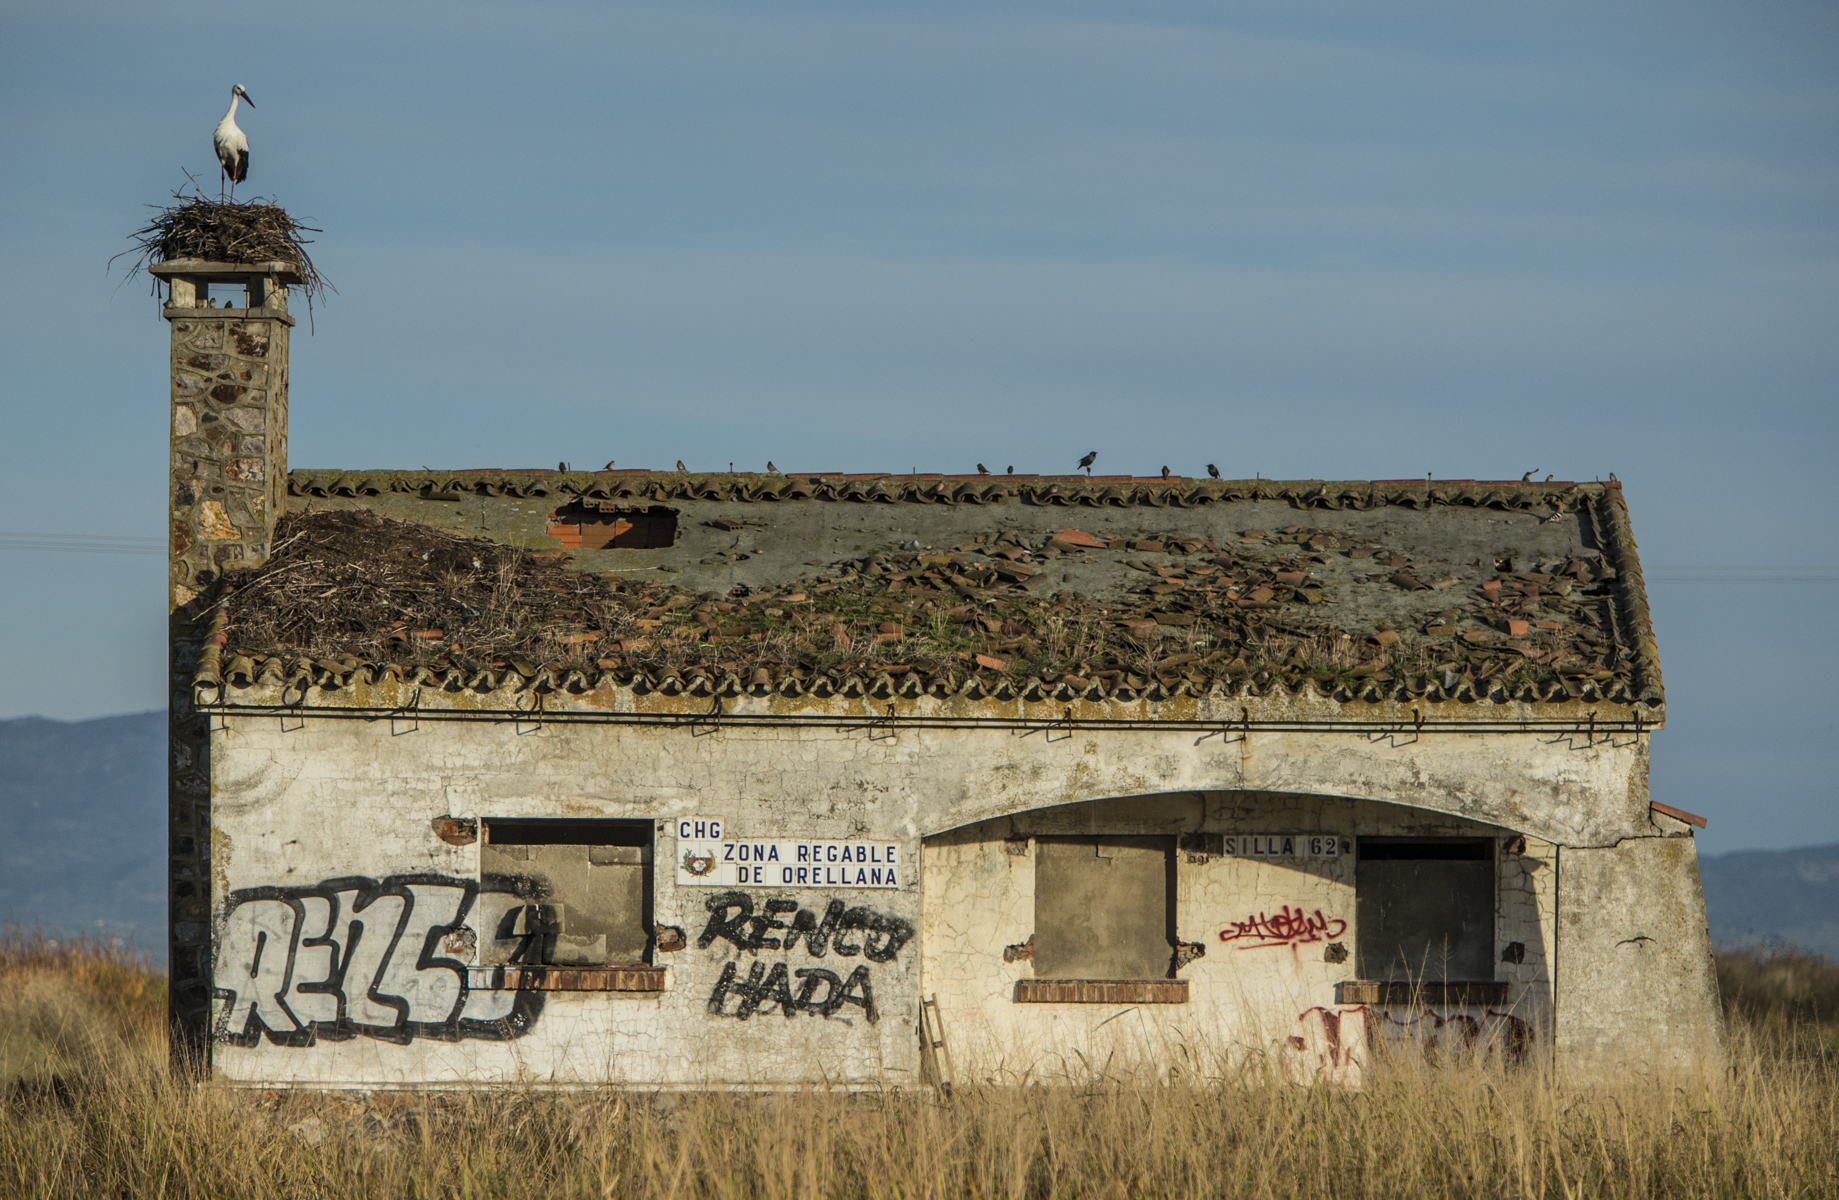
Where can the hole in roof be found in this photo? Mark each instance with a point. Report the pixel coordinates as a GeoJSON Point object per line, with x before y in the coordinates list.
{"type": "Point", "coordinates": [580, 526]}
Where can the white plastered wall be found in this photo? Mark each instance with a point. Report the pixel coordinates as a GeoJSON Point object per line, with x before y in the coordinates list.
{"type": "Point", "coordinates": [297, 802]}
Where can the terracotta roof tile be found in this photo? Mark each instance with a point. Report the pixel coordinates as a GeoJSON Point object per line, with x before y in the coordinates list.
{"type": "Point", "coordinates": [1253, 617]}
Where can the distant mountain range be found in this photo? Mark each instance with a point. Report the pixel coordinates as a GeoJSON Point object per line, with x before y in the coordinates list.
{"type": "Point", "coordinates": [84, 810]}
{"type": "Point", "coordinates": [83, 806]}
{"type": "Point", "coordinates": [1787, 896]}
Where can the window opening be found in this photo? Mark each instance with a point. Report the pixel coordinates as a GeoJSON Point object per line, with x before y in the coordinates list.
{"type": "Point", "coordinates": [1104, 907]}
{"type": "Point", "coordinates": [584, 526]}
{"type": "Point", "coordinates": [565, 893]}
{"type": "Point", "coordinates": [1424, 909]}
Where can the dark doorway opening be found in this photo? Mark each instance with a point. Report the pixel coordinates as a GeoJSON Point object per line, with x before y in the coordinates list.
{"type": "Point", "coordinates": [1424, 909]}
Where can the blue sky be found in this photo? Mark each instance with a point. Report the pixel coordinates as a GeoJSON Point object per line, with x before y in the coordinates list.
{"type": "Point", "coordinates": [1307, 240]}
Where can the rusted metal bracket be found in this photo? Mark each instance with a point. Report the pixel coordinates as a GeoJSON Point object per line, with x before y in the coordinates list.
{"type": "Point", "coordinates": [518, 720]}
{"type": "Point", "coordinates": [709, 722]}
{"type": "Point", "coordinates": [413, 715]}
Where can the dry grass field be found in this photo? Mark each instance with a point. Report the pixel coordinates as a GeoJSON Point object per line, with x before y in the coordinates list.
{"type": "Point", "coordinates": [91, 1109]}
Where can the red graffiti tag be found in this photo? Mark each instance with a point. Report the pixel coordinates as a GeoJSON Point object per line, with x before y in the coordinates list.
{"type": "Point", "coordinates": [1283, 928]}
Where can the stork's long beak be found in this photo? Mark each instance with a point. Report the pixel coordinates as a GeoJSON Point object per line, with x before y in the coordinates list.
{"type": "Point", "coordinates": [247, 100]}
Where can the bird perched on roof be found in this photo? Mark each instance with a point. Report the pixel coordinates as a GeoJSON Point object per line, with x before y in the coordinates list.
{"type": "Point", "coordinates": [1086, 462]}
{"type": "Point", "coordinates": [609, 465]}
{"type": "Point", "coordinates": [1011, 471]}
{"type": "Point", "coordinates": [1527, 478]}
{"type": "Point", "coordinates": [1165, 472]}
{"type": "Point", "coordinates": [680, 465]}
{"type": "Point", "coordinates": [770, 468]}
{"type": "Point", "coordinates": [231, 146]}
{"type": "Point", "coordinates": [1213, 471]}
{"type": "Point", "coordinates": [1548, 478]}
{"type": "Point", "coordinates": [561, 466]}
{"type": "Point", "coordinates": [982, 470]}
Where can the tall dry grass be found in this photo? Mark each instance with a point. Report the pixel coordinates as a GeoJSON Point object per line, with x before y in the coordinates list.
{"type": "Point", "coordinates": [93, 1110]}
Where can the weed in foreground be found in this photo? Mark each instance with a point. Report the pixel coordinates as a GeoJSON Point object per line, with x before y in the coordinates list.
{"type": "Point", "coordinates": [118, 1121]}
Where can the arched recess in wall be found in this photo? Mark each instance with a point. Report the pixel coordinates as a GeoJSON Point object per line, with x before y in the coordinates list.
{"type": "Point", "coordinates": [1569, 794]}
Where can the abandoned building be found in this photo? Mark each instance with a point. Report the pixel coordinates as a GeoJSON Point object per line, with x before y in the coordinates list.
{"type": "Point", "coordinates": [668, 779]}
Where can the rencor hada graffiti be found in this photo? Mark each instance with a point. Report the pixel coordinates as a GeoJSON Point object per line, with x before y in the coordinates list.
{"type": "Point", "coordinates": [357, 957]}
{"type": "Point", "coordinates": [1282, 928]}
{"type": "Point", "coordinates": [735, 917]}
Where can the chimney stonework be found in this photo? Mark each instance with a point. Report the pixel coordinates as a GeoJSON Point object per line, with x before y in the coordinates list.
{"type": "Point", "coordinates": [228, 469]}
{"type": "Point", "coordinates": [229, 419]}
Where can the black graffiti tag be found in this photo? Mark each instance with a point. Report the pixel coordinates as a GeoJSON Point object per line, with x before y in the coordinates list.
{"type": "Point", "coordinates": [356, 957]}
{"type": "Point", "coordinates": [733, 917]}
{"type": "Point", "coordinates": [756, 992]}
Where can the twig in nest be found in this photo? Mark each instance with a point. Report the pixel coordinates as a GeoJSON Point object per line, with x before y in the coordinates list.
{"type": "Point", "coordinates": [251, 232]}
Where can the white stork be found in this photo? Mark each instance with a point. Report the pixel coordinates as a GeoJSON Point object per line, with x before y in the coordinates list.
{"type": "Point", "coordinates": [231, 146]}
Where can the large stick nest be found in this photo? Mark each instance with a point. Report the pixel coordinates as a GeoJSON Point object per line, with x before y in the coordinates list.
{"type": "Point", "coordinates": [252, 232]}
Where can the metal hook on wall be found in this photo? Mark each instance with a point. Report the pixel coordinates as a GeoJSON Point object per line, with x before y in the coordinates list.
{"type": "Point", "coordinates": [713, 719]}
{"type": "Point", "coordinates": [536, 708]}
{"type": "Point", "coordinates": [413, 709]}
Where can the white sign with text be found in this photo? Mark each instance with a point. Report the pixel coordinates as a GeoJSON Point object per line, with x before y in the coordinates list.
{"type": "Point", "coordinates": [707, 859]}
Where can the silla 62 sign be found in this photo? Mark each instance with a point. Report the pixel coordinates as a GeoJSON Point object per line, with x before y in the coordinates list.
{"type": "Point", "coordinates": [1281, 845]}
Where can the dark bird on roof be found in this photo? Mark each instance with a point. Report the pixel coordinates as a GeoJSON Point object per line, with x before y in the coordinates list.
{"type": "Point", "coordinates": [1088, 460]}
{"type": "Point", "coordinates": [680, 465]}
{"type": "Point", "coordinates": [1548, 478]}
{"type": "Point", "coordinates": [231, 146]}
{"type": "Point", "coordinates": [561, 466]}
{"type": "Point", "coordinates": [1165, 472]}
{"type": "Point", "coordinates": [609, 465]}
{"type": "Point", "coordinates": [1213, 471]}
{"type": "Point", "coordinates": [770, 468]}
{"type": "Point", "coordinates": [1011, 470]}
{"type": "Point", "coordinates": [1527, 478]}
{"type": "Point", "coordinates": [982, 470]}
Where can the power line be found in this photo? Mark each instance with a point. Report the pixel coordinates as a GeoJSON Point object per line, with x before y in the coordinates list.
{"type": "Point", "coordinates": [81, 543]}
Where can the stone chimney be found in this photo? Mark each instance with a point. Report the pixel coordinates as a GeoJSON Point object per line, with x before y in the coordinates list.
{"type": "Point", "coordinates": [229, 415]}
{"type": "Point", "coordinates": [228, 467]}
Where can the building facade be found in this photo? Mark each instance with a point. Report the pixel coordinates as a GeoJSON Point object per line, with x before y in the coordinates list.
{"type": "Point", "coordinates": [664, 779]}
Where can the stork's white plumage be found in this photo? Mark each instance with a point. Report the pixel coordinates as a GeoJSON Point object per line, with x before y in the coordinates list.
{"type": "Point", "coordinates": [231, 146]}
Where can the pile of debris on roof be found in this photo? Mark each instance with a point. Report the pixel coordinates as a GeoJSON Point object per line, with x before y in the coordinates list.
{"type": "Point", "coordinates": [346, 588]}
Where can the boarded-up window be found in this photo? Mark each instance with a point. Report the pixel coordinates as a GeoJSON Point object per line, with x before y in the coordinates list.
{"type": "Point", "coordinates": [1424, 909]}
{"type": "Point", "coordinates": [583, 527]}
{"type": "Point", "coordinates": [1104, 907]}
{"type": "Point", "coordinates": [567, 893]}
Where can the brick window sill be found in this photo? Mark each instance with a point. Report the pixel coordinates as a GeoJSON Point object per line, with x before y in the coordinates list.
{"type": "Point", "coordinates": [1101, 991]}
{"type": "Point", "coordinates": [641, 981]}
{"type": "Point", "coordinates": [1474, 993]}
